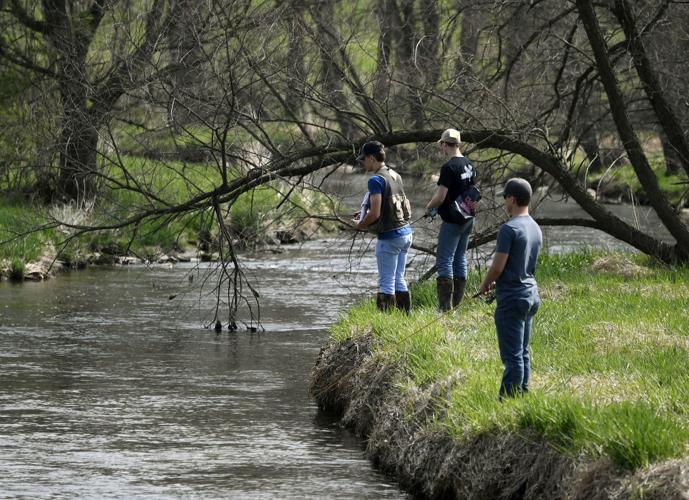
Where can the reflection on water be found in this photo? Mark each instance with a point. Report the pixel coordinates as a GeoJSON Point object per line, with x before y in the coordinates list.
{"type": "Point", "coordinates": [108, 389]}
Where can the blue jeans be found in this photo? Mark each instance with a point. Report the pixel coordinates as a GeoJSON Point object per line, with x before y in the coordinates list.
{"type": "Point", "coordinates": [513, 320]}
{"type": "Point", "coordinates": [453, 240]}
{"type": "Point", "coordinates": [391, 256]}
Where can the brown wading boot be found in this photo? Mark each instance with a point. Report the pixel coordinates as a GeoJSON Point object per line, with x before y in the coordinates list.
{"type": "Point", "coordinates": [385, 301]}
{"type": "Point", "coordinates": [444, 286]}
{"type": "Point", "coordinates": [403, 301]}
{"type": "Point", "coordinates": [458, 293]}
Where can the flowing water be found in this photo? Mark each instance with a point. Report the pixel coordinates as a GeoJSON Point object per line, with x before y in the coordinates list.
{"type": "Point", "coordinates": [109, 388]}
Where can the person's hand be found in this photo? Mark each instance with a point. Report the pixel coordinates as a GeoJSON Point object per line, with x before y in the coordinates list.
{"type": "Point", "coordinates": [486, 287]}
{"type": "Point", "coordinates": [430, 212]}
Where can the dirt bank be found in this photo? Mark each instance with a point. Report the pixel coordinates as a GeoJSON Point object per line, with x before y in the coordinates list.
{"type": "Point", "coordinates": [402, 440]}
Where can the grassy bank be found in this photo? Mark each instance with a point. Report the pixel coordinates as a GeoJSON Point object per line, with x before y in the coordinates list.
{"type": "Point", "coordinates": [252, 220]}
{"type": "Point", "coordinates": [610, 355]}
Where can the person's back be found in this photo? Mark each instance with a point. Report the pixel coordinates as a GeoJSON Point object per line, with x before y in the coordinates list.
{"type": "Point", "coordinates": [512, 275]}
{"type": "Point", "coordinates": [520, 238]}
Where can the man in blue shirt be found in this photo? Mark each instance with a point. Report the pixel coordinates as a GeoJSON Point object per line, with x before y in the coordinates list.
{"type": "Point", "coordinates": [512, 275]}
{"type": "Point", "coordinates": [387, 213]}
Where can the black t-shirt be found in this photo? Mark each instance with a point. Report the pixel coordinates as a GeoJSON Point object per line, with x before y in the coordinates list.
{"type": "Point", "coordinates": [457, 174]}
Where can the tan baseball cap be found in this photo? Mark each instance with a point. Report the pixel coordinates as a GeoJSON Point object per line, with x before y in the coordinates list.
{"type": "Point", "coordinates": [451, 136]}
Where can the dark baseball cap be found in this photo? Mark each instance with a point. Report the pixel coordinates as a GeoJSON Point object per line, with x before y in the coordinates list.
{"type": "Point", "coordinates": [517, 187]}
{"type": "Point", "coordinates": [370, 148]}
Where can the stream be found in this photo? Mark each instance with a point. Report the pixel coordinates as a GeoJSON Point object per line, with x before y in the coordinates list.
{"type": "Point", "coordinates": [111, 386]}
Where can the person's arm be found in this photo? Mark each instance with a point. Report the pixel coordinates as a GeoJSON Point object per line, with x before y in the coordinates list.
{"type": "Point", "coordinates": [494, 272]}
{"type": "Point", "coordinates": [373, 213]}
{"type": "Point", "coordinates": [438, 198]}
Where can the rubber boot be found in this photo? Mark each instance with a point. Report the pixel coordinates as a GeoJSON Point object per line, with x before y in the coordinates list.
{"type": "Point", "coordinates": [385, 301]}
{"type": "Point", "coordinates": [444, 287]}
{"type": "Point", "coordinates": [458, 292]}
{"type": "Point", "coordinates": [403, 301]}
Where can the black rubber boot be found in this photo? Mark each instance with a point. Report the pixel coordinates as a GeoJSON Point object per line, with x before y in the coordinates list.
{"type": "Point", "coordinates": [385, 301]}
{"type": "Point", "coordinates": [444, 287]}
{"type": "Point", "coordinates": [403, 301]}
{"type": "Point", "coordinates": [458, 292]}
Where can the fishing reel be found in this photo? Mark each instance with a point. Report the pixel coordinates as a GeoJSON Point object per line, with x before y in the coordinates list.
{"type": "Point", "coordinates": [431, 214]}
{"type": "Point", "coordinates": [488, 298]}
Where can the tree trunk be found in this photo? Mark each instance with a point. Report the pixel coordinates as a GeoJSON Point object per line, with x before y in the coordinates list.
{"type": "Point", "coordinates": [673, 161]}
{"type": "Point", "coordinates": [78, 146]}
{"type": "Point", "coordinates": [331, 74]}
{"type": "Point", "coordinates": [468, 37]}
{"type": "Point", "coordinates": [589, 143]}
{"type": "Point", "coordinates": [638, 159]}
{"type": "Point", "coordinates": [186, 52]}
{"type": "Point", "coordinates": [662, 108]}
{"type": "Point", "coordinates": [78, 138]}
{"type": "Point", "coordinates": [381, 86]}
{"type": "Point", "coordinates": [427, 63]}
{"type": "Point", "coordinates": [296, 53]}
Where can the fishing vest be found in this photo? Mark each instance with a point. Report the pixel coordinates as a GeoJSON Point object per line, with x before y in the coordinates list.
{"type": "Point", "coordinates": [395, 209]}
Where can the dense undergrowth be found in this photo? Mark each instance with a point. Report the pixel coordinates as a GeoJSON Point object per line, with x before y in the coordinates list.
{"type": "Point", "coordinates": [610, 354]}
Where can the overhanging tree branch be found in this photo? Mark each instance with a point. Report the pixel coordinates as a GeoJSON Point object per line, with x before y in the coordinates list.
{"type": "Point", "coordinates": [663, 111]}
{"type": "Point", "coordinates": [626, 131]}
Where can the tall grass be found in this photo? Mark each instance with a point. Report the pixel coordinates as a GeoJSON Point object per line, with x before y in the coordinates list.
{"type": "Point", "coordinates": [610, 358]}
{"type": "Point", "coordinates": [173, 182]}
{"type": "Point", "coordinates": [17, 219]}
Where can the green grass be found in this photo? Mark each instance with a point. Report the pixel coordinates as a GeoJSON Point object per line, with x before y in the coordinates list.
{"type": "Point", "coordinates": [251, 217]}
{"type": "Point", "coordinates": [675, 186]}
{"type": "Point", "coordinates": [610, 354]}
{"type": "Point", "coordinates": [17, 218]}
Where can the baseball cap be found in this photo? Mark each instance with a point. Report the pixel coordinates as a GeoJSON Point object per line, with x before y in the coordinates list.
{"type": "Point", "coordinates": [517, 187]}
{"type": "Point", "coordinates": [370, 148]}
{"type": "Point", "coordinates": [451, 136]}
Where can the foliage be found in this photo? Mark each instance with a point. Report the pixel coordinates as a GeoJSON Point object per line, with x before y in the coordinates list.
{"type": "Point", "coordinates": [250, 217]}
{"type": "Point", "coordinates": [622, 175]}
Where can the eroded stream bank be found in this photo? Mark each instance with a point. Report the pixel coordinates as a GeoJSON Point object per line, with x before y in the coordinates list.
{"type": "Point", "coordinates": [402, 440]}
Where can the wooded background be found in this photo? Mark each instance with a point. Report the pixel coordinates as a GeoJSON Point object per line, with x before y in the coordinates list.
{"type": "Point", "coordinates": [243, 93]}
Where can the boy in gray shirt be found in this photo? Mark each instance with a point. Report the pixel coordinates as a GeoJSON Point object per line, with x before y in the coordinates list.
{"type": "Point", "coordinates": [512, 275]}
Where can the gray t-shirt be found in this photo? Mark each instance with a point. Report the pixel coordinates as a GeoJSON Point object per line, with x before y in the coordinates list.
{"type": "Point", "coordinates": [520, 238]}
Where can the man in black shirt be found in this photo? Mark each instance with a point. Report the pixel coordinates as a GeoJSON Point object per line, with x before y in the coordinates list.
{"type": "Point", "coordinates": [456, 175]}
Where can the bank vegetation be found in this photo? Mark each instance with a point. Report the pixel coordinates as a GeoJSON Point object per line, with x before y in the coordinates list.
{"type": "Point", "coordinates": [607, 416]}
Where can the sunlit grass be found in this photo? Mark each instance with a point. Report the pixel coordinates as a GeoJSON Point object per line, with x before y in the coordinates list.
{"type": "Point", "coordinates": [610, 356]}
{"type": "Point", "coordinates": [136, 185]}
{"type": "Point", "coordinates": [20, 245]}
